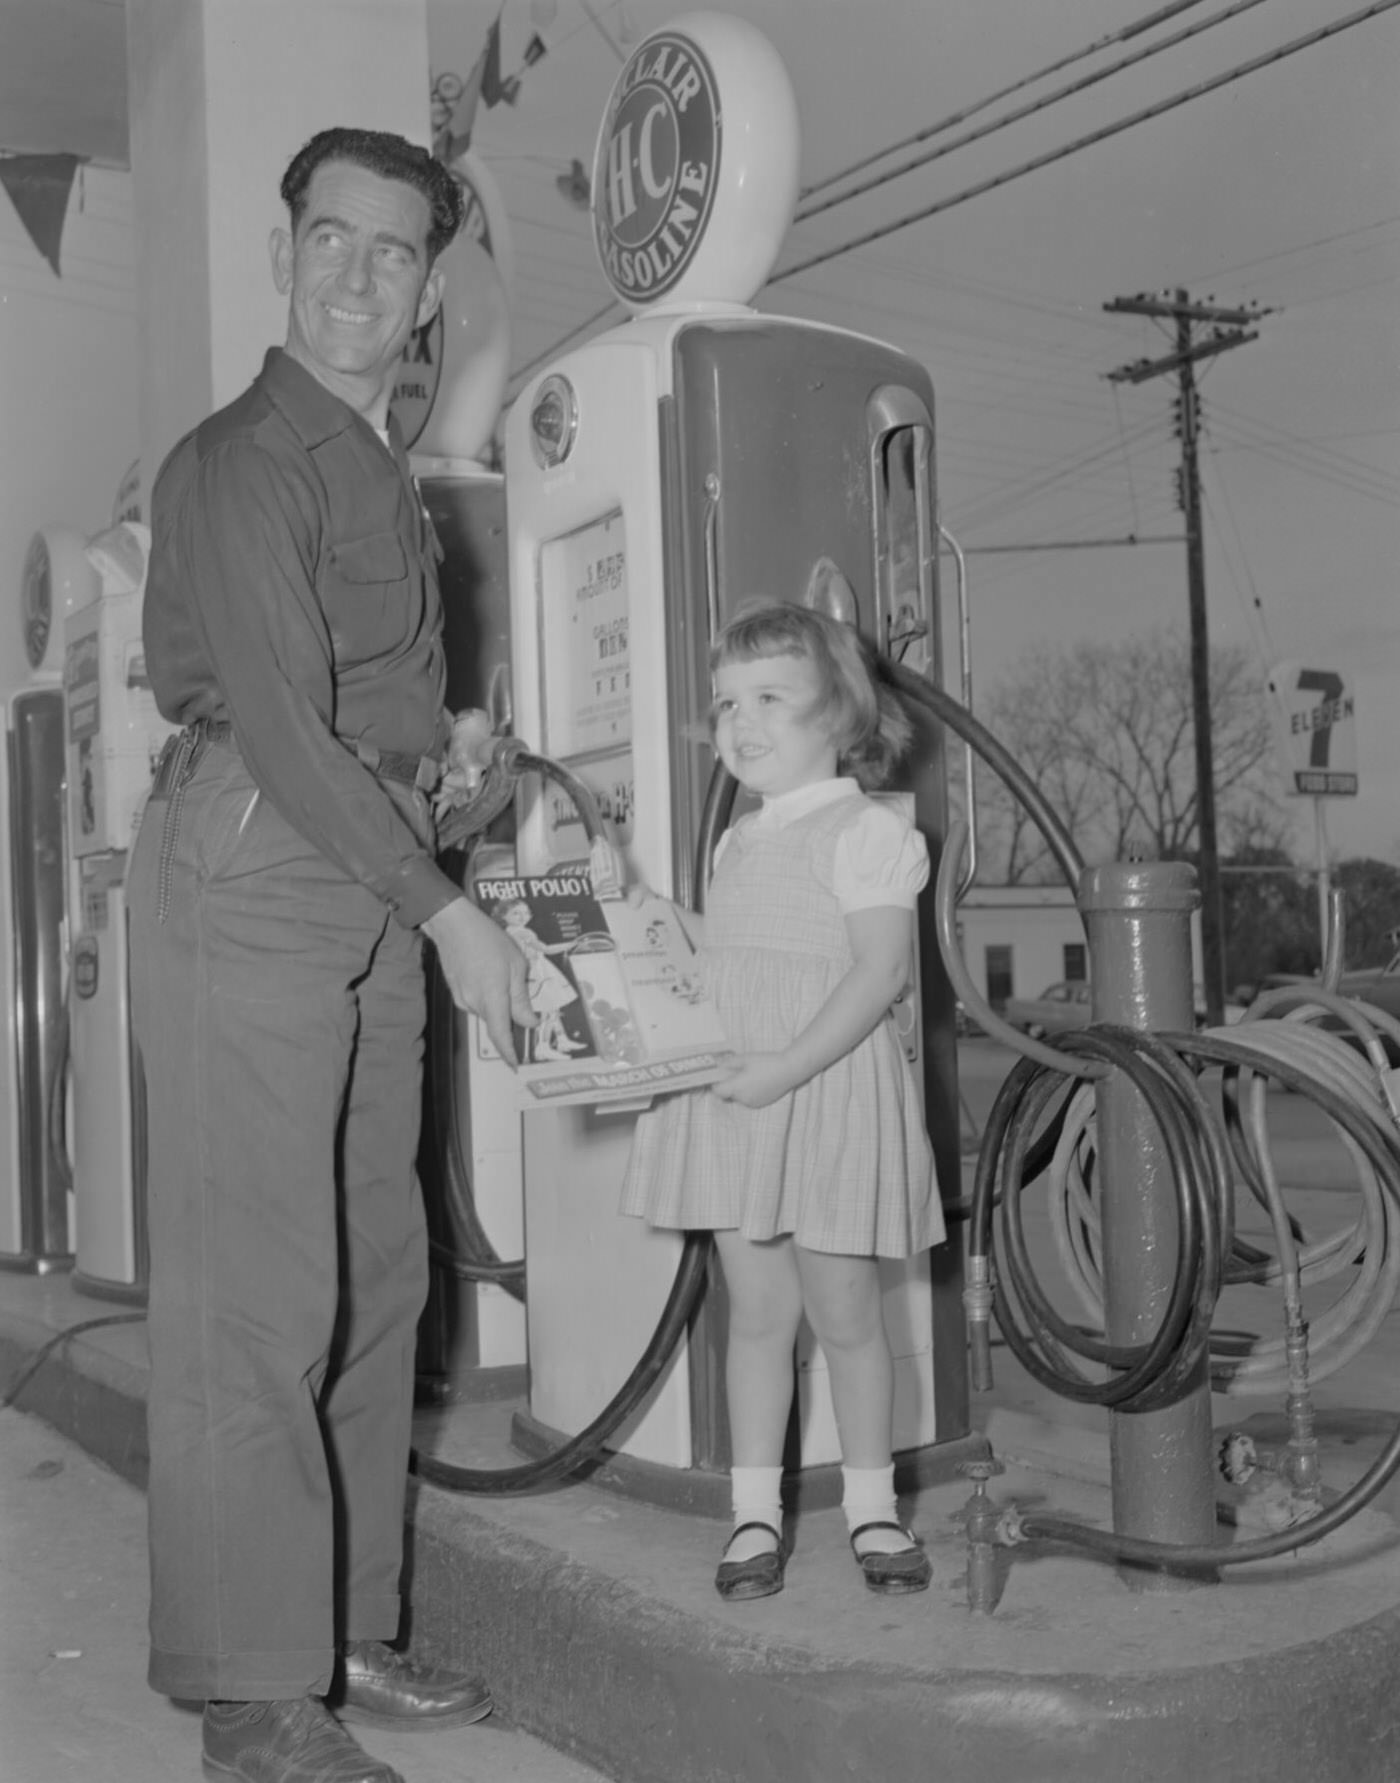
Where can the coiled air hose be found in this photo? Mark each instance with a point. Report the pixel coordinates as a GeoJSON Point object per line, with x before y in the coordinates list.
{"type": "Point", "coordinates": [510, 761]}
{"type": "Point", "coordinates": [1200, 1148]}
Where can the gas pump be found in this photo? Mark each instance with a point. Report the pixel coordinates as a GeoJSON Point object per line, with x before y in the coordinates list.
{"type": "Point", "coordinates": [695, 456]}
{"type": "Point", "coordinates": [447, 400]}
{"type": "Point", "coordinates": [35, 1182]}
{"type": "Point", "coordinates": [113, 735]}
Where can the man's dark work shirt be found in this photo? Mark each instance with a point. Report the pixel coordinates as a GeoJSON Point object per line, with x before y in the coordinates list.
{"type": "Point", "coordinates": [293, 590]}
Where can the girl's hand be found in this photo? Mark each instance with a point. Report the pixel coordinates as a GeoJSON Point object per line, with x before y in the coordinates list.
{"type": "Point", "coordinates": [757, 1079]}
{"type": "Point", "coordinates": [608, 875]}
{"type": "Point", "coordinates": [607, 871]}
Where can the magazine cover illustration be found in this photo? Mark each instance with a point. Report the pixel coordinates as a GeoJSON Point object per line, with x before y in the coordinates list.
{"type": "Point", "coordinates": [621, 1006]}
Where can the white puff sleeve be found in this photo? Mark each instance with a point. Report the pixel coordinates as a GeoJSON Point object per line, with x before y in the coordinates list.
{"type": "Point", "coordinates": [880, 860]}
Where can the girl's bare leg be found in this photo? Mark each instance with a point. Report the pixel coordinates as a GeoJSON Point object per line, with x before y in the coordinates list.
{"type": "Point", "coordinates": [765, 1309]}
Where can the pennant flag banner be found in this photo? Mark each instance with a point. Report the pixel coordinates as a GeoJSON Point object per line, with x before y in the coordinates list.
{"type": "Point", "coordinates": [494, 90]}
{"type": "Point", "coordinates": [491, 63]}
{"type": "Point", "coordinates": [456, 100]}
{"type": "Point", "coordinates": [38, 186]}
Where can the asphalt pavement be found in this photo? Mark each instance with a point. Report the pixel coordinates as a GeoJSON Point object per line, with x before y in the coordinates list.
{"type": "Point", "coordinates": [74, 1704]}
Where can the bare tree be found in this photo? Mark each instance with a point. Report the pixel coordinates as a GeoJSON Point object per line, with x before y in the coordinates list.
{"type": "Point", "coordinates": [1106, 731]}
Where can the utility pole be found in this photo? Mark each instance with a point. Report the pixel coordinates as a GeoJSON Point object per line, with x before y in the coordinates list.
{"type": "Point", "coordinates": [1229, 328]}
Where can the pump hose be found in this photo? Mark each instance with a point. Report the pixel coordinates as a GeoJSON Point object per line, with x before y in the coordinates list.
{"type": "Point", "coordinates": [471, 1256]}
{"type": "Point", "coordinates": [1142, 1376]}
{"type": "Point", "coordinates": [688, 1287]}
{"type": "Point", "coordinates": [1363, 1109]}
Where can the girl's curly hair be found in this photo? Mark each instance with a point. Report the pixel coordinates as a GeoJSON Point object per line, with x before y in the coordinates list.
{"type": "Point", "coordinates": [868, 725]}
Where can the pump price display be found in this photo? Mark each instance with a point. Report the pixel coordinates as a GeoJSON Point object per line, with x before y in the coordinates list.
{"type": "Point", "coordinates": [584, 643]}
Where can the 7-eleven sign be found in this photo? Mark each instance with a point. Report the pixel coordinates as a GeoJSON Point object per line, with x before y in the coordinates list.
{"type": "Point", "coordinates": [1316, 715]}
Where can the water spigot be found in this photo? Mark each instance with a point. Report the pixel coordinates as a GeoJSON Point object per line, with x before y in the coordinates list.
{"type": "Point", "coordinates": [982, 1518]}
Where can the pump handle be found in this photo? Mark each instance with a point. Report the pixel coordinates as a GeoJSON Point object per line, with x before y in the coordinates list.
{"type": "Point", "coordinates": [510, 760]}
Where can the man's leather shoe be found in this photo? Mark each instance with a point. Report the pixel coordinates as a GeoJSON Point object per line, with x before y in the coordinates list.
{"type": "Point", "coordinates": [294, 1741]}
{"type": "Point", "coordinates": [385, 1688]}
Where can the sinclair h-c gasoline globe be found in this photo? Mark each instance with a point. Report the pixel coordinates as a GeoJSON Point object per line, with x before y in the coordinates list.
{"type": "Point", "coordinates": [695, 173]}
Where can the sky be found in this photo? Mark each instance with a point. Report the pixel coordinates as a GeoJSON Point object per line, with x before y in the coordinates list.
{"type": "Point", "coordinates": [1280, 190]}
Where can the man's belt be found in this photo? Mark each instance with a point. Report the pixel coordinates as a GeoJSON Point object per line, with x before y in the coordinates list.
{"type": "Point", "coordinates": [420, 771]}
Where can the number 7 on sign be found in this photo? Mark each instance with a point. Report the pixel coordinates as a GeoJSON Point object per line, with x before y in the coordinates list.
{"type": "Point", "coordinates": [1331, 686]}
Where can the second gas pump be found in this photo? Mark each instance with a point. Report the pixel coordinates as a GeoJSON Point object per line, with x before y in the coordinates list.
{"type": "Point", "coordinates": [113, 735]}
{"type": "Point", "coordinates": [700, 454]}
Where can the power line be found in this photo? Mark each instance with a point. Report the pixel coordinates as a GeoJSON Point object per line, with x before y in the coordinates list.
{"type": "Point", "coordinates": [1018, 493]}
{"type": "Point", "coordinates": [1094, 136]}
{"type": "Point", "coordinates": [969, 111]}
{"type": "Point", "coordinates": [1309, 455]}
{"type": "Point", "coordinates": [1320, 241]}
{"type": "Point", "coordinates": [1375, 491]}
{"type": "Point", "coordinates": [1025, 111]}
{"type": "Point", "coordinates": [1156, 538]}
{"type": "Point", "coordinates": [1127, 456]}
{"type": "Point", "coordinates": [1252, 606]}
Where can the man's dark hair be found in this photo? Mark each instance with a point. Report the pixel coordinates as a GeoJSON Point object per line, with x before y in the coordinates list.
{"type": "Point", "coordinates": [392, 158]}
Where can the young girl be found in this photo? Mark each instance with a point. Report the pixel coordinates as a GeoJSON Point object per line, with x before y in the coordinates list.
{"type": "Point", "coordinates": [810, 1160]}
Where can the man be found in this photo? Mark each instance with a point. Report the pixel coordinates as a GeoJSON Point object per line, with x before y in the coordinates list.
{"type": "Point", "coordinates": [280, 884]}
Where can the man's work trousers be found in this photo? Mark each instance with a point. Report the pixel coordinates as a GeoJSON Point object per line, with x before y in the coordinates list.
{"type": "Point", "coordinates": [279, 1011]}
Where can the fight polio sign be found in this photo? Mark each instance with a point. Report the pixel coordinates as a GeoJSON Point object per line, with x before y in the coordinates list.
{"type": "Point", "coordinates": [1316, 712]}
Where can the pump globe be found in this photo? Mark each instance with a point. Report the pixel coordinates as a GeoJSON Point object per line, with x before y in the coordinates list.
{"type": "Point", "coordinates": [57, 580]}
{"type": "Point", "coordinates": [475, 355]}
{"type": "Point", "coordinates": [695, 171]}
{"type": "Point", "coordinates": [487, 221]}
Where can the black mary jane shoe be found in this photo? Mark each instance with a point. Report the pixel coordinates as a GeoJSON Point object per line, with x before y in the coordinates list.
{"type": "Point", "coordinates": [759, 1576]}
{"type": "Point", "coordinates": [906, 1569]}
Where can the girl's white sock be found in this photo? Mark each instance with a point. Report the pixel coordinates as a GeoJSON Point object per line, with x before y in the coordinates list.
{"type": "Point", "coordinates": [757, 1498]}
{"type": "Point", "coordinates": [867, 1496]}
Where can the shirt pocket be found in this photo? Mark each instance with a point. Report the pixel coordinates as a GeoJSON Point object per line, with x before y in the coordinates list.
{"type": "Point", "coordinates": [369, 598]}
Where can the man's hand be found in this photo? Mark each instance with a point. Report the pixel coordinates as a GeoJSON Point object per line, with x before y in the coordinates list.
{"type": "Point", "coordinates": [484, 970]}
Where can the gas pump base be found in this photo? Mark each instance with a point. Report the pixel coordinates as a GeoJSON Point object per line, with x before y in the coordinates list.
{"type": "Point", "coordinates": [96, 1287]}
{"type": "Point", "coordinates": [26, 1263]}
{"type": "Point", "coordinates": [704, 1492]}
{"type": "Point", "coordinates": [596, 1621]}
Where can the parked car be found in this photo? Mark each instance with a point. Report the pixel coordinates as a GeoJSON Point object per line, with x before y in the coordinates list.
{"type": "Point", "coordinates": [1058, 1009]}
{"type": "Point", "coordinates": [1378, 986]}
